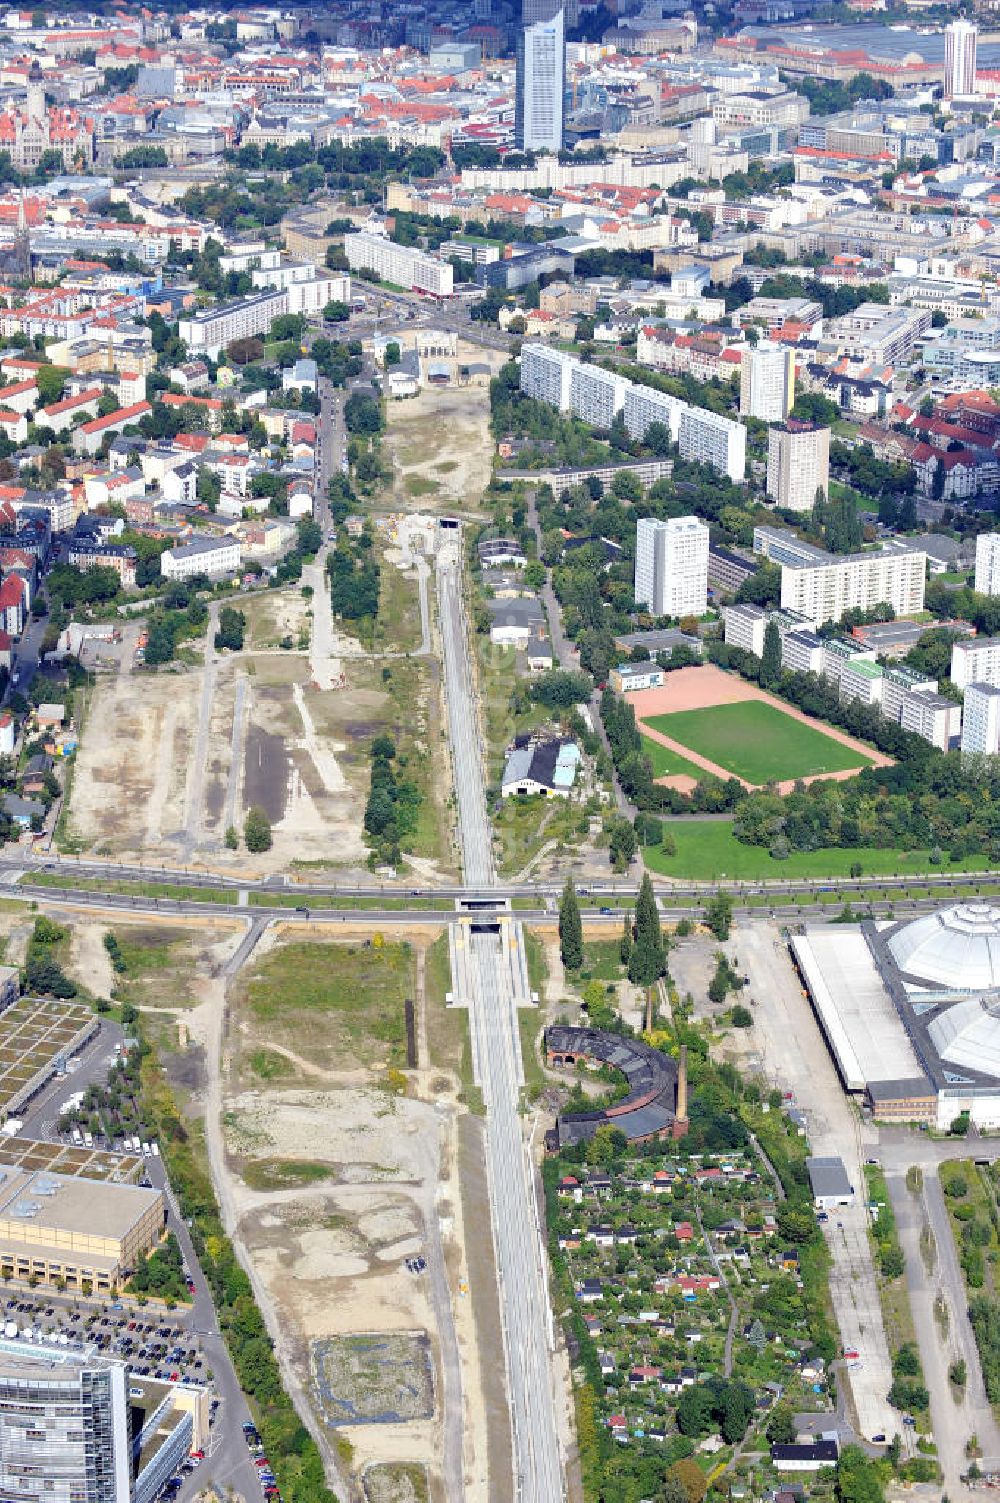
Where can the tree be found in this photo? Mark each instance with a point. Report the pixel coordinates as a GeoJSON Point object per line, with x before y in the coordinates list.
{"type": "Point", "coordinates": [50, 380]}
{"type": "Point", "coordinates": [393, 354]}
{"type": "Point", "coordinates": [770, 662]}
{"type": "Point", "coordinates": [257, 830]}
{"type": "Point", "coordinates": [622, 843]}
{"type": "Point", "coordinates": [232, 625]}
{"type": "Point", "coordinates": [691, 1477]}
{"type": "Point", "coordinates": [570, 929]}
{"type": "Point", "coordinates": [625, 944]}
{"type": "Point", "coordinates": [719, 915]}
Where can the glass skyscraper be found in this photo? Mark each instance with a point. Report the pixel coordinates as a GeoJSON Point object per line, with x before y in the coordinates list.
{"type": "Point", "coordinates": [541, 76]}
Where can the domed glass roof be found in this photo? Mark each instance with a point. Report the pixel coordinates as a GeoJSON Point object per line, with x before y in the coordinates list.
{"type": "Point", "coordinates": [967, 1035]}
{"type": "Point", "coordinates": [955, 949]}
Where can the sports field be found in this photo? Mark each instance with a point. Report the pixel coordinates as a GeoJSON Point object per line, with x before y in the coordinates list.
{"type": "Point", "coordinates": [757, 742]}
{"type": "Point", "coordinates": [666, 762]}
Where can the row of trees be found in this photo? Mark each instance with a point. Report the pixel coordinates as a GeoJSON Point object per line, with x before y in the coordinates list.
{"type": "Point", "coordinates": [393, 804]}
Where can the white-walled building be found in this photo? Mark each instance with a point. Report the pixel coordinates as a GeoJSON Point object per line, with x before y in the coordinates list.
{"type": "Point", "coordinates": [975, 660]}
{"type": "Point", "coordinates": [596, 396]}
{"type": "Point", "coordinates": [710, 438]}
{"type": "Point", "coordinates": [745, 626]}
{"type": "Point", "coordinates": [801, 652]}
{"type": "Point", "coordinates": [402, 264]}
{"type": "Point", "coordinates": [645, 406]}
{"type": "Point", "coordinates": [981, 720]}
{"type": "Point", "coordinates": [861, 680]}
{"type": "Point", "coordinates": [823, 589]}
{"type": "Point", "coordinates": [960, 39]}
{"type": "Point", "coordinates": [767, 381]}
{"type": "Point", "coordinates": [211, 556]}
{"type": "Point", "coordinates": [988, 563]}
{"type": "Point", "coordinates": [933, 717]}
{"type": "Point", "coordinates": [798, 464]}
{"type": "Point", "coordinates": [671, 566]}
{"type": "Point", "coordinates": [545, 375]}
{"type": "Point", "coordinates": [212, 329]}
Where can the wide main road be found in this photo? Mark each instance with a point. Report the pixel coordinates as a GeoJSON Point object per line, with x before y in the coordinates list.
{"type": "Point", "coordinates": [522, 1274]}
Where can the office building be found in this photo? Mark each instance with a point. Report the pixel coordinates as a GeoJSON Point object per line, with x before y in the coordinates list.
{"type": "Point", "coordinates": [960, 59]}
{"type": "Point", "coordinates": [988, 563]}
{"type": "Point", "coordinates": [975, 660]}
{"type": "Point", "coordinates": [213, 328]}
{"type": "Point", "coordinates": [710, 438]}
{"type": "Point", "coordinates": [72, 1230]}
{"type": "Point", "coordinates": [798, 464]}
{"type": "Point", "coordinates": [402, 264]}
{"type": "Point", "coordinates": [78, 1427]}
{"type": "Point", "coordinates": [981, 720]}
{"type": "Point", "coordinates": [671, 566]}
{"type": "Point", "coordinates": [767, 382]}
{"type": "Point", "coordinates": [539, 104]}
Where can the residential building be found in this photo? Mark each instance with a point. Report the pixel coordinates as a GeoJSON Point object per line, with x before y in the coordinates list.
{"type": "Point", "coordinates": [514, 621]}
{"type": "Point", "coordinates": [545, 375]}
{"type": "Point", "coordinates": [981, 720]}
{"type": "Point", "coordinates": [933, 716]}
{"type": "Point", "coordinates": [897, 684]}
{"type": "Point", "coordinates": [801, 652]}
{"type": "Point", "coordinates": [85, 553]}
{"type": "Point", "coordinates": [975, 660]}
{"type": "Point", "coordinates": [541, 76]}
{"type": "Point", "coordinates": [745, 626]}
{"type": "Point", "coordinates": [823, 589]}
{"type": "Point", "coordinates": [671, 566]}
{"type": "Point", "coordinates": [710, 438]}
{"type": "Point", "coordinates": [836, 653]}
{"type": "Point", "coordinates": [988, 563]}
{"type": "Point", "coordinates": [861, 680]}
{"type": "Point", "coordinates": [645, 406]}
{"type": "Point", "coordinates": [960, 39]}
{"type": "Point", "coordinates": [596, 395]}
{"type": "Point", "coordinates": [212, 556]}
{"type": "Point", "coordinates": [798, 464]}
{"type": "Point", "coordinates": [728, 570]}
{"type": "Point", "coordinates": [211, 329]}
{"type": "Point", "coordinates": [767, 381]}
{"type": "Point", "coordinates": [402, 264]}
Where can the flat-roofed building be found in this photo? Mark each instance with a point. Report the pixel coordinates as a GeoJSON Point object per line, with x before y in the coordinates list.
{"type": "Point", "coordinates": [710, 438]}
{"type": "Point", "coordinates": [75, 1230]}
{"type": "Point", "coordinates": [798, 464]}
{"type": "Point", "coordinates": [745, 626]}
{"type": "Point", "coordinates": [976, 660]}
{"type": "Point", "coordinates": [897, 683]}
{"type": "Point", "coordinates": [933, 717]}
{"type": "Point", "coordinates": [823, 589]}
{"type": "Point", "coordinates": [402, 264]}
{"type": "Point", "coordinates": [861, 681]}
{"type": "Point", "coordinates": [801, 652]}
{"type": "Point", "coordinates": [981, 720]}
{"type": "Point", "coordinates": [988, 563]}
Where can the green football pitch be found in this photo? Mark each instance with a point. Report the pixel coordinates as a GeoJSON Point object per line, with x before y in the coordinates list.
{"type": "Point", "coordinates": [758, 742]}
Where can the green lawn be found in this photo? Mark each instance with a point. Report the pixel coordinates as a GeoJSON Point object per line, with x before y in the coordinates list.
{"type": "Point", "coordinates": [756, 741]}
{"type": "Point", "coordinates": [707, 848]}
{"type": "Point", "coordinates": [667, 763]}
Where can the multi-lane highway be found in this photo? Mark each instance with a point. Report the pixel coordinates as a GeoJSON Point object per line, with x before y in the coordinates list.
{"type": "Point", "coordinates": [519, 1250]}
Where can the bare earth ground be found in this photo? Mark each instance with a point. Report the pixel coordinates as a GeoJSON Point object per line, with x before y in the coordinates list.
{"type": "Point", "coordinates": [703, 687]}
{"type": "Point", "coordinates": [440, 446]}
{"type": "Point", "coordinates": [331, 1255]}
{"type": "Point", "coordinates": [301, 754]}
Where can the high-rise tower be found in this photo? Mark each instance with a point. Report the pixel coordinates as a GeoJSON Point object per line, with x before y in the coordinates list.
{"type": "Point", "coordinates": [541, 76]}
{"type": "Point", "coordinates": [960, 59]}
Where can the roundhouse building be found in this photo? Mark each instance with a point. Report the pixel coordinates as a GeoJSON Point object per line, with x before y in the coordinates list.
{"type": "Point", "coordinates": [656, 1105]}
{"type": "Point", "coordinates": [911, 1011]}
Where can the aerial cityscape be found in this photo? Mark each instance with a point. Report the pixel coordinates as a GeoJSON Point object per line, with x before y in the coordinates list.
{"type": "Point", "coordinates": [500, 752]}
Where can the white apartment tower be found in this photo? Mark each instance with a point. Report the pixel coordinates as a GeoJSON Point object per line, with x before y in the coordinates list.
{"type": "Point", "coordinates": [960, 59]}
{"type": "Point", "coordinates": [981, 720]}
{"type": "Point", "coordinates": [671, 566]}
{"type": "Point", "coordinates": [539, 100]}
{"type": "Point", "coordinates": [988, 563]}
{"type": "Point", "coordinates": [798, 464]}
{"type": "Point", "coordinates": [767, 382]}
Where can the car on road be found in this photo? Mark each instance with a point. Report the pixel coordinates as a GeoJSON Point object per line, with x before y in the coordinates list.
{"type": "Point", "coordinates": [879, 1439]}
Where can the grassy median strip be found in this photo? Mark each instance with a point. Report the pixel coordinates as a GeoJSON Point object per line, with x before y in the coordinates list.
{"type": "Point", "coordinates": [181, 892]}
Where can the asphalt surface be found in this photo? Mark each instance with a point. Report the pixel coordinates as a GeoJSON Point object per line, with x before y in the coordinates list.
{"type": "Point", "coordinates": [522, 1270]}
